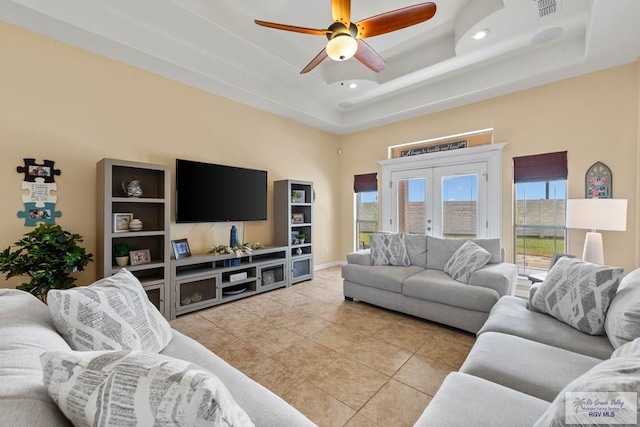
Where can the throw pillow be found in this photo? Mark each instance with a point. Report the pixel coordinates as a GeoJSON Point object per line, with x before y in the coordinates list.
{"type": "Point", "coordinates": [623, 318]}
{"type": "Point", "coordinates": [604, 382]}
{"type": "Point", "coordinates": [113, 313]}
{"type": "Point", "coordinates": [466, 260]}
{"type": "Point", "coordinates": [389, 249]}
{"type": "Point", "coordinates": [578, 293]}
{"type": "Point", "coordinates": [137, 389]}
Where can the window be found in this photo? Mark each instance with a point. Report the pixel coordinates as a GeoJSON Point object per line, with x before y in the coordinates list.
{"type": "Point", "coordinates": [540, 200]}
{"type": "Point", "coordinates": [366, 208]}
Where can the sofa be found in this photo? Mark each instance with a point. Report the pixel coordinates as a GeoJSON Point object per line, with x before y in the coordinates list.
{"type": "Point", "coordinates": [525, 362]}
{"type": "Point", "coordinates": [421, 287]}
{"type": "Point", "coordinates": [27, 331]}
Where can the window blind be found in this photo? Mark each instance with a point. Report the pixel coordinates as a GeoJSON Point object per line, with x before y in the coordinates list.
{"type": "Point", "coordinates": [540, 167]}
{"type": "Point", "coordinates": [366, 182]}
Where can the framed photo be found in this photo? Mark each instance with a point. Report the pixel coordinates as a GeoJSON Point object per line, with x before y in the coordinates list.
{"type": "Point", "coordinates": [598, 182]}
{"type": "Point", "coordinates": [180, 248]}
{"type": "Point", "coordinates": [297, 218]}
{"type": "Point", "coordinates": [268, 277]}
{"type": "Point", "coordinates": [294, 237]}
{"type": "Point", "coordinates": [121, 222]}
{"type": "Point", "coordinates": [297, 196]}
{"type": "Point", "coordinates": [140, 257]}
{"type": "Point", "coordinates": [35, 170]}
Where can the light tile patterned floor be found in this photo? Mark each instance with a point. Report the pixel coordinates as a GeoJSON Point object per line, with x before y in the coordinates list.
{"type": "Point", "coordinates": [340, 363]}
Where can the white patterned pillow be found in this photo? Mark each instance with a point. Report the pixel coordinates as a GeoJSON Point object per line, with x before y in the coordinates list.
{"type": "Point", "coordinates": [113, 313]}
{"type": "Point", "coordinates": [466, 260]}
{"type": "Point", "coordinates": [578, 293]}
{"type": "Point", "coordinates": [603, 382]}
{"type": "Point", "coordinates": [137, 389]}
{"type": "Point", "coordinates": [389, 249]}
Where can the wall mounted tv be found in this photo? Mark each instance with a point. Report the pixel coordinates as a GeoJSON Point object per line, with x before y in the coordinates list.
{"type": "Point", "coordinates": [208, 192]}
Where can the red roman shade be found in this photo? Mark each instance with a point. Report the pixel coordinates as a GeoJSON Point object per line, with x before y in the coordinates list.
{"type": "Point", "coordinates": [366, 182]}
{"type": "Point", "coordinates": [540, 167]}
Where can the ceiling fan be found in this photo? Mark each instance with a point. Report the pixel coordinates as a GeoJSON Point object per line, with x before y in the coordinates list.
{"type": "Point", "coordinates": [345, 37]}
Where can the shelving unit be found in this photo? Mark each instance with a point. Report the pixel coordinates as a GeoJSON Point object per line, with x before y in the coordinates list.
{"type": "Point", "coordinates": [203, 281]}
{"type": "Point", "coordinates": [285, 229]}
{"type": "Point", "coordinates": [152, 208]}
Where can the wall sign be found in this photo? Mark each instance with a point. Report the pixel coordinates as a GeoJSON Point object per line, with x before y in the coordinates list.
{"type": "Point", "coordinates": [39, 204]}
{"type": "Point", "coordinates": [598, 182]}
{"type": "Point", "coordinates": [447, 146]}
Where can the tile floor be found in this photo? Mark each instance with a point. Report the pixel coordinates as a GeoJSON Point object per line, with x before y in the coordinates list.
{"type": "Point", "coordinates": [340, 363]}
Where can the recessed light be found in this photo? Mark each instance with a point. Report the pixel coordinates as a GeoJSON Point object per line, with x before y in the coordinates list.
{"type": "Point", "coordinates": [353, 85]}
{"type": "Point", "coordinates": [479, 35]}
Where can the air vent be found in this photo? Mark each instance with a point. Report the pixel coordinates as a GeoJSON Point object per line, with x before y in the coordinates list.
{"type": "Point", "coordinates": [547, 7]}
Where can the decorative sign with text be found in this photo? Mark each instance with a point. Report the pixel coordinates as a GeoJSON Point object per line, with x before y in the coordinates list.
{"type": "Point", "coordinates": [437, 148]}
{"type": "Point", "coordinates": [39, 204]}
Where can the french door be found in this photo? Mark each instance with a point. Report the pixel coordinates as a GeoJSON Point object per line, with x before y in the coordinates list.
{"type": "Point", "coordinates": [446, 201]}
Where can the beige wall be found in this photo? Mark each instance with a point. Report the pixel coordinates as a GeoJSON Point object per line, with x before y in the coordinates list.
{"type": "Point", "coordinates": [62, 103]}
{"type": "Point", "coordinates": [594, 117]}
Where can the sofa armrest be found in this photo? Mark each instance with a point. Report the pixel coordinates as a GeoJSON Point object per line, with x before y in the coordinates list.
{"type": "Point", "coordinates": [500, 277]}
{"type": "Point", "coordinates": [532, 291]}
{"type": "Point", "coordinates": [362, 257]}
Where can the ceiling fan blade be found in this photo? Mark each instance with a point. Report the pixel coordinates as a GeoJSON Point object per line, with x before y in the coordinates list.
{"type": "Point", "coordinates": [315, 61]}
{"type": "Point", "coordinates": [292, 28]}
{"type": "Point", "coordinates": [395, 20]}
{"type": "Point", "coordinates": [341, 11]}
{"type": "Point", "coordinates": [369, 57]}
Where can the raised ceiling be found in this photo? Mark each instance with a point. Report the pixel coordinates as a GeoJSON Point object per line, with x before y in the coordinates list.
{"type": "Point", "coordinates": [214, 45]}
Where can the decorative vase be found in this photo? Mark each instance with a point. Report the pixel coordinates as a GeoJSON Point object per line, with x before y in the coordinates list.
{"type": "Point", "coordinates": [233, 236]}
{"type": "Point", "coordinates": [135, 225]}
{"type": "Point", "coordinates": [298, 251]}
{"type": "Point", "coordinates": [122, 260]}
{"type": "Point", "coordinates": [132, 188]}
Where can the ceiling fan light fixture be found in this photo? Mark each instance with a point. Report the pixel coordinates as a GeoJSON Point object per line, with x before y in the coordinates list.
{"type": "Point", "coordinates": [341, 47]}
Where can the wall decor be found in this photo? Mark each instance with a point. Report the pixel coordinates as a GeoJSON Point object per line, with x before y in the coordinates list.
{"type": "Point", "coordinates": [121, 222]}
{"type": "Point", "coordinates": [598, 182]}
{"type": "Point", "coordinates": [297, 218]}
{"type": "Point", "coordinates": [180, 248]}
{"type": "Point", "coordinates": [39, 204]}
{"type": "Point", "coordinates": [140, 257]}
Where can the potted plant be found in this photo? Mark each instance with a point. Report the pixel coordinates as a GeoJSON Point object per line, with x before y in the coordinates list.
{"type": "Point", "coordinates": [48, 255]}
{"type": "Point", "coordinates": [301, 238]}
{"type": "Point", "coordinates": [121, 253]}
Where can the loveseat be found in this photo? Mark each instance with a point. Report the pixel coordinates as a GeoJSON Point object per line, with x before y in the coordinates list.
{"type": "Point", "coordinates": [528, 367]}
{"type": "Point", "coordinates": [27, 331]}
{"type": "Point", "coordinates": [415, 281]}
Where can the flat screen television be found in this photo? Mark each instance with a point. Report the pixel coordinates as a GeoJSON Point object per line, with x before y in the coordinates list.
{"type": "Point", "coordinates": [208, 192]}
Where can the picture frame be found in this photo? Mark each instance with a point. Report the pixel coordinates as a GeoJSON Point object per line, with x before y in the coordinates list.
{"type": "Point", "coordinates": [121, 222]}
{"type": "Point", "coordinates": [294, 237]}
{"type": "Point", "coordinates": [180, 248]}
{"type": "Point", "coordinates": [141, 256]}
{"type": "Point", "coordinates": [598, 182]}
{"type": "Point", "coordinates": [298, 196]}
{"type": "Point", "coordinates": [39, 171]}
{"type": "Point", "coordinates": [297, 218]}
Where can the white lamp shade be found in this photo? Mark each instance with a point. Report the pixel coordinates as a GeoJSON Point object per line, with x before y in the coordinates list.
{"type": "Point", "coordinates": [342, 47]}
{"type": "Point", "coordinates": [597, 214]}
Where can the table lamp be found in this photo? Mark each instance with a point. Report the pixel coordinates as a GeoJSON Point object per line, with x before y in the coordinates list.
{"type": "Point", "coordinates": [596, 214]}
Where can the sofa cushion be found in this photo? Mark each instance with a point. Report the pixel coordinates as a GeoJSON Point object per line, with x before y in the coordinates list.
{"type": "Point", "coordinates": [416, 249]}
{"type": "Point", "coordinates": [439, 251]}
{"type": "Point", "coordinates": [622, 323]}
{"type": "Point", "coordinates": [389, 278]}
{"type": "Point", "coordinates": [510, 315]}
{"type": "Point", "coordinates": [604, 381]}
{"type": "Point", "coordinates": [533, 368]}
{"type": "Point", "coordinates": [578, 293]}
{"type": "Point", "coordinates": [137, 388]}
{"type": "Point", "coordinates": [464, 400]}
{"type": "Point", "coordinates": [438, 286]}
{"type": "Point", "coordinates": [26, 331]}
{"type": "Point", "coordinates": [465, 261]}
{"type": "Point", "coordinates": [113, 313]}
{"type": "Point", "coordinates": [389, 249]}
{"type": "Point", "coordinates": [630, 349]}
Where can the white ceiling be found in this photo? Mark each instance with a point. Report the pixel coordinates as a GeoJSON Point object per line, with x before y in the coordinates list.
{"type": "Point", "coordinates": [215, 45]}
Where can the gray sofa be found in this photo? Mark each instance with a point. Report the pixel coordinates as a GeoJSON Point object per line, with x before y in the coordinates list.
{"type": "Point", "coordinates": [523, 359]}
{"type": "Point", "coordinates": [424, 290]}
{"type": "Point", "coordinates": [27, 331]}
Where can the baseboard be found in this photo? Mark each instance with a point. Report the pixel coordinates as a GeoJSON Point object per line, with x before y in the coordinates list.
{"type": "Point", "coordinates": [328, 265]}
